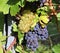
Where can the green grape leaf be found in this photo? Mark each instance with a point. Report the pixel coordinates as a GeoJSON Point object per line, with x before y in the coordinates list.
{"type": "Point", "coordinates": [43, 13]}
{"type": "Point", "coordinates": [3, 42]}
{"type": "Point", "coordinates": [0, 33]}
{"type": "Point", "coordinates": [38, 11]}
{"type": "Point", "coordinates": [2, 38]}
{"type": "Point", "coordinates": [20, 36]}
{"type": "Point", "coordinates": [14, 27]}
{"type": "Point", "coordinates": [20, 40]}
{"type": "Point", "coordinates": [35, 21]}
{"type": "Point", "coordinates": [20, 49]}
{"type": "Point", "coordinates": [42, 10]}
{"type": "Point", "coordinates": [4, 7]}
{"type": "Point", "coordinates": [1, 49]}
{"type": "Point", "coordinates": [48, 51]}
{"type": "Point", "coordinates": [13, 2]}
{"type": "Point", "coordinates": [21, 3]}
{"type": "Point", "coordinates": [58, 15]}
{"type": "Point", "coordinates": [1, 21]}
{"type": "Point", "coordinates": [56, 48]}
{"type": "Point", "coordinates": [31, 0]}
{"type": "Point", "coordinates": [45, 8]}
{"type": "Point", "coordinates": [14, 9]}
{"type": "Point", "coordinates": [3, 2]}
{"type": "Point", "coordinates": [41, 48]}
{"type": "Point", "coordinates": [9, 51]}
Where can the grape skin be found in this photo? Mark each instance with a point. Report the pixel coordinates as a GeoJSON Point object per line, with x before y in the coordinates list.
{"type": "Point", "coordinates": [42, 2]}
{"type": "Point", "coordinates": [32, 37]}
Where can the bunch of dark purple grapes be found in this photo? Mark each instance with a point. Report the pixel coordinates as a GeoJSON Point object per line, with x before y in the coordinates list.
{"type": "Point", "coordinates": [42, 2]}
{"type": "Point", "coordinates": [42, 33]}
{"type": "Point", "coordinates": [32, 37]}
{"type": "Point", "coordinates": [32, 42]}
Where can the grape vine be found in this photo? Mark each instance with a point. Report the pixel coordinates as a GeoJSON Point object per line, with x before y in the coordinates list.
{"type": "Point", "coordinates": [29, 26]}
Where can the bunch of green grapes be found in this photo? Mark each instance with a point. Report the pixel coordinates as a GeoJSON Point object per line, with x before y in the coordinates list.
{"type": "Point", "coordinates": [26, 21]}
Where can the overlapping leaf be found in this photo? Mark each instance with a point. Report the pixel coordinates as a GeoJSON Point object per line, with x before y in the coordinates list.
{"type": "Point", "coordinates": [14, 9]}
{"type": "Point", "coordinates": [56, 48]}
{"type": "Point", "coordinates": [58, 15]}
{"type": "Point", "coordinates": [31, 0]}
{"type": "Point", "coordinates": [4, 7]}
{"type": "Point", "coordinates": [1, 21]}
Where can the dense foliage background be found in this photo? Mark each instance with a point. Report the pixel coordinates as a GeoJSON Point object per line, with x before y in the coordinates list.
{"type": "Point", "coordinates": [11, 11]}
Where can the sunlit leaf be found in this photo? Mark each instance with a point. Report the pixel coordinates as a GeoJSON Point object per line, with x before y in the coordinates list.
{"type": "Point", "coordinates": [14, 27]}
{"type": "Point", "coordinates": [35, 21]}
{"type": "Point", "coordinates": [31, 0]}
{"type": "Point", "coordinates": [1, 49]}
{"type": "Point", "coordinates": [1, 21]}
{"type": "Point", "coordinates": [20, 36]}
{"type": "Point", "coordinates": [4, 7]}
{"type": "Point", "coordinates": [2, 38]}
{"type": "Point", "coordinates": [20, 49]}
{"type": "Point", "coordinates": [3, 2]}
{"type": "Point", "coordinates": [58, 16]}
{"type": "Point", "coordinates": [0, 33]}
{"type": "Point", "coordinates": [14, 9]}
{"type": "Point", "coordinates": [21, 3]}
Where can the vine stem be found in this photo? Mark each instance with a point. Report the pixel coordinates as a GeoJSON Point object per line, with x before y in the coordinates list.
{"type": "Point", "coordinates": [51, 44]}
{"type": "Point", "coordinates": [54, 13]}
